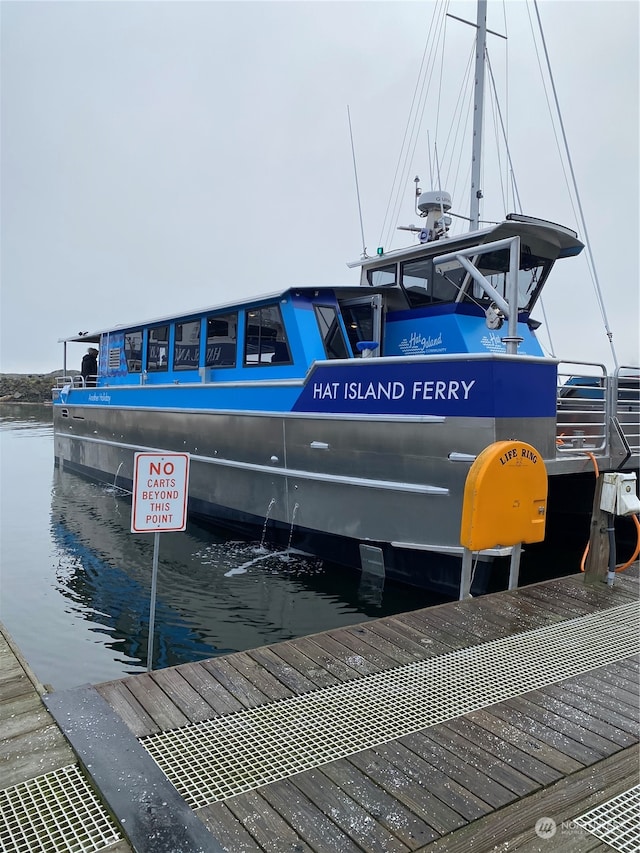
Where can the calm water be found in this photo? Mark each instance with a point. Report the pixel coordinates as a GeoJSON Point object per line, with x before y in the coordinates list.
{"type": "Point", "coordinates": [75, 583]}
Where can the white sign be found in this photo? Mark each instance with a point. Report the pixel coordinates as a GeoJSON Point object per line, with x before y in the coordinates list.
{"type": "Point", "coordinates": [160, 487]}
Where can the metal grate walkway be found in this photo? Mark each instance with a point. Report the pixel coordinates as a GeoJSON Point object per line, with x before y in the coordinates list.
{"type": "Point", "coordinates": [616, 822]}
{"type": "Point", "coordinates": [219, 758]}
{"type": "Point", "coordinates": [54, 813]}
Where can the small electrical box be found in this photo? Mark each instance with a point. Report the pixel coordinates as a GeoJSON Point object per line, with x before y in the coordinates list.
{"type": "Point", "coordinates": [505, 497]}
{"type": "Point", "coordinates": [619, 495]}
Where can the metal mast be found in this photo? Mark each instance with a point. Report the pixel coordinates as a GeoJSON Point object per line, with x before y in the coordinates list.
{"type": "Point", "coordinates": [478, 112]}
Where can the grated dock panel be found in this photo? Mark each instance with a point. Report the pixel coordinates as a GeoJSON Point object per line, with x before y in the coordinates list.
{"type": "Point", "coordinates": [219, 758]}
{"type": "Point", "coordinates": [616, 822]}
{"type": "Point", "coordinates": [57, 812]}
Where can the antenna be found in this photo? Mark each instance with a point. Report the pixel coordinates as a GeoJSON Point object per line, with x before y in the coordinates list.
{"type": "Point", "coordinates": [355, 172]}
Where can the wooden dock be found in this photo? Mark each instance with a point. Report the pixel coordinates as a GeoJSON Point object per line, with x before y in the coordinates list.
{"type": "Point", "coordinates": [38, 769]}
{"type": "Point", "coordinates": [283, 749]}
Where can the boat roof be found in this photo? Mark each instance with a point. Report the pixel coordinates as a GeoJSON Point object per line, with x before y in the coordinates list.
{"type": "Point", "coordinates": [94, 337]}
{"type": "Point", "coordinates": [565, 239]}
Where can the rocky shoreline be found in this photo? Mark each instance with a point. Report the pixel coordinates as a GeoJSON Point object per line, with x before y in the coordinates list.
{"type": "Point", "coordinates": [27, 387]}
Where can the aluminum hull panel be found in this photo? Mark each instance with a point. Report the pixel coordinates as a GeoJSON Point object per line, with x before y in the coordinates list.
{"type": "Point", "coordinates": [362, 479]}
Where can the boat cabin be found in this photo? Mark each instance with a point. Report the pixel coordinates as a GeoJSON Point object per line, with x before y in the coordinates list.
{"type": "Point", "coordinates": [438, 297]}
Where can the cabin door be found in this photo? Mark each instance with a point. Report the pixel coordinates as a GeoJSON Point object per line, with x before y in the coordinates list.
{"type": "Point", "coordinates": [363, 320]}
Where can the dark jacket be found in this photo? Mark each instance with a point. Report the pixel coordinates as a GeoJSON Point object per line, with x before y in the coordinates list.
{"type": "Point", "coordinates": [89, 369]}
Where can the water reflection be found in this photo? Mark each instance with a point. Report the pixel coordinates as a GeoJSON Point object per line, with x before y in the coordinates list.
{"type": "Point", "coordinates": [76, 582]}
{"type": "Point", "coordinates": [214, 594]}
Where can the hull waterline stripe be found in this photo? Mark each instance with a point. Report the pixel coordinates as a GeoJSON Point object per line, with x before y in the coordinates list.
{"type": "Point", "coordinates": [388, 485]}
{"type": "Point", "coordinates": [220, 758]}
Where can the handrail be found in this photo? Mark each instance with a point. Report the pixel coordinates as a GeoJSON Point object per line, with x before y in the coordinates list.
{"type": "Point", "coordinates": [583, 407]}
{"type": "Point", "coordinates": [591, 404]}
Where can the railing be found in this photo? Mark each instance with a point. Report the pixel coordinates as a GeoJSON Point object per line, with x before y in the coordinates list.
{"type": "Point", "coordinates": [592, 404]}
{"type": "Point", "coordinates": [626, 404]}
{"type": "Point", "coordinates": [76, 381]}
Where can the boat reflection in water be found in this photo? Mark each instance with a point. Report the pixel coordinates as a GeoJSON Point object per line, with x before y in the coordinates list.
{"type": "Point", "coordinates": [215, 595]}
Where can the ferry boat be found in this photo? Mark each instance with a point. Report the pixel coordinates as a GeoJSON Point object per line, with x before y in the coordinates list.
{"type": "Point", "coordinates": [344, 419]}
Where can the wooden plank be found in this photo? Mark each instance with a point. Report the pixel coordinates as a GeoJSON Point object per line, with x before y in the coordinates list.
{"type": "Point", "coordinates": [350, 817]}
{"type": "Point", "coordinates": [33, 754]}
{"type": "Point", "coordinates": [493, 762]}
{"type": "Point", "coordinates": [410, 791]}
{"type": "Point", "coordinates": [182, 695]}
{"type": "Point", "coordinates": [10, 669]}
{"type": "Point", "coordinates": [284, 671]}
{"type": "Point", "coordinates": [209, 689]}
{"type": "Point", "coordinates": [404, 635]}
{"type": "Point", "coordinates": [524, 740]}
{"type": "Point", "coordinates": [324, 658]}
{"type": "Point", "coordinates": [601, 704]}
{"type": "Point", "coordinates": [472, 630]}
{"type": "Point", "coordinates": [470, 777]}
{"type": "Point", "coordinates": [27, 704]}
{"type": "Point", "coordinates": [518, 757]}
{"type": "Point", "coordinates": [15, 686]}
{"type": "Point", "coordinates": [295, 657]}
{"type": "Point", "coordinates": [564, 800]}
{"type": "Point", "coordinates": [265, 825]}
{"type": "Point", "coordinates": [590, 741]}
{"type": "Point", "coordinates": [235, 683]}
{"type": "Point", "coordinates": [433, 647]}
{"type": "Point", "coordinates": [574, 589]}
{"type": "Point", "coordinates": [522, 719]}
{"type": "Point", "coordinates": [362, 649]}
{"type": "Point", "coordinates": [556, 602]}
{"type": "Point", "coordinates": [462, 800]}
{"type": "Point", "coordinates": [583, 717]}
{"type": "Point", "coordinates": [156, 702]}
{"type": "Point", "coordinates": [228, 831]}
{"type": "Point", "coordinates": [345, 655]}
{"type": "Point", "coordinates": [317, 830]}
{"type": "Point", "coordinates": [389, 811]}
{"type": "Point", "coordinates": [431, 628]}
{"type": "Point", "coordinates": [264, 681]}
{"type": "Point", "coordinates": [124, 703]}
{"type": "Point", "coordinates": [620, 679]}
{"type": "Point", "coordinates": [400, 654]}
{"type": "Point", "coordinates": [22, 723]}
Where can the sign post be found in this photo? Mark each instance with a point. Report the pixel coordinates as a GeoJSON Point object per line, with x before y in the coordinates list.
{"type": "Point", "coordinates": [160, 489]}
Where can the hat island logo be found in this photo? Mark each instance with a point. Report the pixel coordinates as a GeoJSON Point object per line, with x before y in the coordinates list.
{"type": "Point", "coordinates": [417, 344]}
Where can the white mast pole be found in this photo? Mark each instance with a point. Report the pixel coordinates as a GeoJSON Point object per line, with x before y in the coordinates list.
{"type": "Point", "coordinates": [478, 111]}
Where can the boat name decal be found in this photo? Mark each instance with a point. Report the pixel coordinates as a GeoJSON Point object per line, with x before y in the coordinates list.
{"type": "Point", "coordinates": [100, 398]}
{"type": "Point", "coordinates": [431, 389]}
{"type": "Point", "coordinates": [417, 344]}
{"type": "Point", "coordinates": [493, 342]}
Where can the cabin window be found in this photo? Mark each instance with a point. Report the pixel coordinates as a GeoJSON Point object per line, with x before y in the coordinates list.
{"type": "Point", "coordinates": [265, 339]}
{"type": "Point", "coordinates": [358, 319]}
{"type": "Point", "coordinates": [158, 349]}
{"type": "Point", "coordinates": [221, 340]}
{"type": "Point", "coordinates": [494, 266]}
{"type": "Point", "coordinates": [423, 287]}
{"type": "Point", "coordinates": [332, 337]}
{"type": "Point", "coordinates": [382, 276]}
{"type": "Point", "coordinates": [133, 350]}
{"type": "Point", "coordinates": [186, 346]}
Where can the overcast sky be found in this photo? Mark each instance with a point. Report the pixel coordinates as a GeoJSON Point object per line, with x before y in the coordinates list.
{"type": "Point", "coordinates": [161, 157]}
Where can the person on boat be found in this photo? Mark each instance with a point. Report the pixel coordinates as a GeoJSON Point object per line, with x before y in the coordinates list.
{"type": "Point", "coordinates": [89, 367]}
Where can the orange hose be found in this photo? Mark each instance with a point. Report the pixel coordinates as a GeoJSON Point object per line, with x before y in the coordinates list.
{"type": "Point", "coordinates": [595, 462]}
